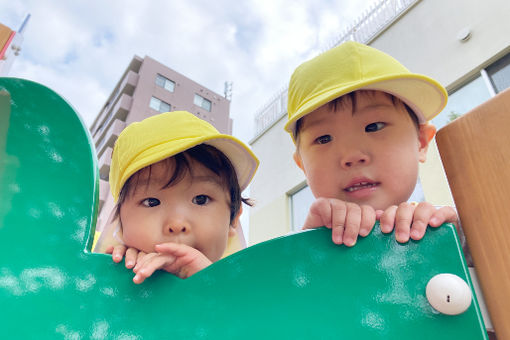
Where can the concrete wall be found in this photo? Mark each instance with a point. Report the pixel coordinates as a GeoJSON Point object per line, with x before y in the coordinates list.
{"type": "Point", "coordinates": [425, 39]}
{"type": "Point", "coordinates": [276, 176]}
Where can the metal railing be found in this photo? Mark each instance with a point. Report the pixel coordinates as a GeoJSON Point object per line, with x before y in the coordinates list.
{"type": "Point", "coordinates": [368, 26]}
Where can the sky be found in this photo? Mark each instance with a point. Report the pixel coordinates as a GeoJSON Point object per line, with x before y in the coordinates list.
{"type": "Point", "coordinates": [80, 49]}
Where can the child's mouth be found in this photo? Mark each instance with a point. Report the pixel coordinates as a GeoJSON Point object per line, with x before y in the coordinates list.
{"type": "Point", "coordinates": [361, 186]}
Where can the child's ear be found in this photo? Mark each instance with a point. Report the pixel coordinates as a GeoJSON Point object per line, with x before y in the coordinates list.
{"type": "Point", "coordinates": [425, 134]}
{"type": "Point", "coordinates": [299, 162]}
{"type": "Point", "coordinates": [232, 231]}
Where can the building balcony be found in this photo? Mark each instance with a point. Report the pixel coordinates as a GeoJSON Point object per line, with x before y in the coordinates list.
{"type": "Point", "coordinates": [110, 137]}
{"type": "Point", "coordinates": [128, 84]}
{"type": "Point", "coordinates": [104, 164]}
{"type": "Point", "coordinates": [119, 111]}
{"type": "Point", "coordinates": [104, 191]}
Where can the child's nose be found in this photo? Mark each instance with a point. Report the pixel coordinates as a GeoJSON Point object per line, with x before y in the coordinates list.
{"type": "Point", "coordinates": [178, 229]}
{"type": "Point", "coordinates": [177, 226]}
{"type": "Point", "coordinates": [354, 158]}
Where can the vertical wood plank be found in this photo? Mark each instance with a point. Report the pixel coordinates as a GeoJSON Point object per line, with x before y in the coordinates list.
{"type": "Point", "coordinates": [475, 150]}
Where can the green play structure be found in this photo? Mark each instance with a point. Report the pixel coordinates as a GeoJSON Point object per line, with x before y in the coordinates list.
{"type": "Point", "coordinates": [296, 287]}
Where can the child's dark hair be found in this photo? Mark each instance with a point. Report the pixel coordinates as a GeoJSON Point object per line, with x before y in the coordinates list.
{"type": "Point", "coordinates": [208, 156]}
{"type": "Point", "coordinates": [351, 97]}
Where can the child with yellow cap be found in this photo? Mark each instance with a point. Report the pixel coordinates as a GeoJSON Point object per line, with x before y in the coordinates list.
{"type": "Point", "coordinates": [177, 185]}
{"type": "Point", "coordinates": [359, 120]}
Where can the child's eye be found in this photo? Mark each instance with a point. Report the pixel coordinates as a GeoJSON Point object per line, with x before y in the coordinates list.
{"type": "Point", "coordinates": [374, 127]}
{"type": "Point", "coordinates": [151, 202]}
{"type": "Point", "coordinates": [323, 139]}
{"type": "Point", "coordinates": [201, 199]}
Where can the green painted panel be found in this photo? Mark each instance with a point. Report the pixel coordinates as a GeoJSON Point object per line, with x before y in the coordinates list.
{"type": "Point", "coordinates": [300, 286]}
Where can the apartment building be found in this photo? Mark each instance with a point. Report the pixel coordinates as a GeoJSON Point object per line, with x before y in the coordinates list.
{"type": "Point", "coordinates": [146, 88]}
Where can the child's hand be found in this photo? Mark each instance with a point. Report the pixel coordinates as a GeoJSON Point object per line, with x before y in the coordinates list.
{"type": "Point", "coordinates": [347, 220]}
{"type": "Point", "coordinates": [178, 259]}
{"type": "Point", "coordinates": [411, 219]}
{"type": "Point", "coordinates": [118, 251]}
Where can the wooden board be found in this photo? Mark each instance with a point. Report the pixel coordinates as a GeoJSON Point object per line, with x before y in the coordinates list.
{"type": "Point", "coordinates": [475, 150]}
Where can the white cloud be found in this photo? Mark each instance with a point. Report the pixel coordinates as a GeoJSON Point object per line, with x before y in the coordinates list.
{"type": "Point", "coordinates": [80, 49]}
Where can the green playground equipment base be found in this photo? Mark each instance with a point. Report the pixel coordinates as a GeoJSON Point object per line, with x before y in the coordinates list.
{"type": "Point", "coordinates": [300, 286]}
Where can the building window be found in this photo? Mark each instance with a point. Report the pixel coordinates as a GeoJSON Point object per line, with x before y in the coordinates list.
{"type": "Point", "coordinates": [202, 102]}
{"type": "Point", "coordinates": [461, 101]}
{"type": "Point", "coordinates": [165, 83]}
{"type": "Point", "coordinates": [300, 203]}
{"type": "Point", "coordinates": [491, 80]}
{"type": "Point", "coordinates": [499, 73]}
{"type": "Point", "coordinates": [159, 105]}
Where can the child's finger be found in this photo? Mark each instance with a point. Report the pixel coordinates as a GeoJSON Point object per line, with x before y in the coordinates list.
{"type": "Point", "coordinates": [175, 249]}
{"type": "Point", "coordinates": [184, 257]}
{"type": "Point", "coordinates": [352, 224]}
{"type": "Point", "coordinates": [118, 253]}
{"type": "Point", "coordinates": [421, 218]}
{"type": "Point", "coordinates": [191, 262]}
{"type": "Point", "coordinates": [140, 256]}
{"type": "Point", "coordinates": [319, 214]}
{"type": "Point", "coordinates": [150, 266]}
{"type": "Point", "coordinates": [387, 219]}
{"type": "Point", "coordinates": [368, 216]}
{"type": "Point", "coordinates": [338, 214]}
{"type": "Point", "coordinates": [142, 259]}
{"type": "Point", "coordinates": [403, 220]}
{"type": "Point", "coordinates": [443, 215]}
{"type": "Point", "coordinates": [131, 256]}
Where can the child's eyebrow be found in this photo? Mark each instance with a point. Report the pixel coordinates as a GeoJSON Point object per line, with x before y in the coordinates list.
{"type": "Point", "coordinates": [308, 124]}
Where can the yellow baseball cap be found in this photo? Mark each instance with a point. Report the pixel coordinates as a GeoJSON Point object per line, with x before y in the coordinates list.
{"type": "Point", "coordinates": [353, 66]}
{"type": "Point", "coordinates": [167, 134]}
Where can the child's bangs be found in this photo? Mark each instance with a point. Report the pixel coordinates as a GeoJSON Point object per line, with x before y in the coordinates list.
{"type": "Point", "coordinates": [179, 165]}
{"type": "Point", "coordinates": [351, 99]}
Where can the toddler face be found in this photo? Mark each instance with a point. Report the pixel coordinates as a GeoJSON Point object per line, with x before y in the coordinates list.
{"type": "Point", "coordinates": [194, 211]}
{"type": "Point", "coordinates": [369, 156]}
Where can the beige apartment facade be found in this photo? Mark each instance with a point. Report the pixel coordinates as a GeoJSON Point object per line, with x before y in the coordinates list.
{"type": "Point", "coordinates": [464, 44]}
{"type": "Point", "coordinates": [147, 88]}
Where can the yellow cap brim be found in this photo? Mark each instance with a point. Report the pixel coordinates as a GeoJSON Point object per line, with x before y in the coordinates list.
{"type": "Point", "coordinates": [165, 135]}
{"type": "Point", "coordinates": [351, 67]}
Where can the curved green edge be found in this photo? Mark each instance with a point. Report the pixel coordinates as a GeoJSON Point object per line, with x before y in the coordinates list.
{"type": "Point", "coordinates": [301, 286]}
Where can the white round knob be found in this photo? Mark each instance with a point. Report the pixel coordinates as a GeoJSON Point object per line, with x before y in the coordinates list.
{"type": "Point", "coordinates": [448, 294]}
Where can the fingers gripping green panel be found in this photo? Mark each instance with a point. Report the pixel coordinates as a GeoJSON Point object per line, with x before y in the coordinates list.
{"type": "Point", "coordinates": [301, 286]}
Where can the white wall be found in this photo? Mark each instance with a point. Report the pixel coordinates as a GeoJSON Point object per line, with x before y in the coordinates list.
{"type": "Point", "coordinates": [276, 176]}
{"type": "Point", "coordinates": [425, 39]}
